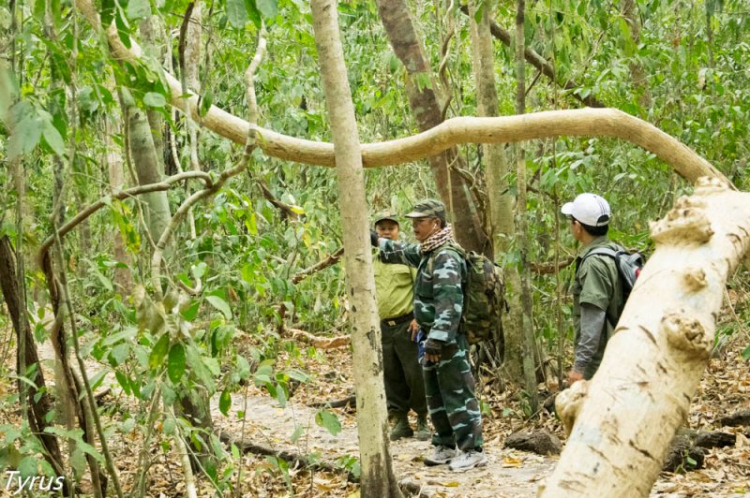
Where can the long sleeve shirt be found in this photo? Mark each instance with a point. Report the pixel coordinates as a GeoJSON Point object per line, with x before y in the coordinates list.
{"type": "Point", "coordinates": [438, 287]}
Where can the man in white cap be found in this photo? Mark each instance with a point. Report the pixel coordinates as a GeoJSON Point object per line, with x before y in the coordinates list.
{"type": "Point", "coordinates": [597, 291]}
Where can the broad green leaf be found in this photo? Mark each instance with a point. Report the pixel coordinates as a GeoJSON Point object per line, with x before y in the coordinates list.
{"type": "Point", "coordinates": [220, 305]}
{"type": "Point", "coordinates": [176, 363]}
{"type": "Point", "coordinates": [199, 270]}
{"type": "Point", "coordinates": [122, 379]}
{"type": "Point", "coordinates": [205, 103]}
{"type": "Point", "coordinates": [153, 99]}
{"type": "Point", "coordinates": [156, 359]}
{"type": "Point", "coordinates": [28, 466]}
{"type": "Point", "coordinates": [236, 13]}
{"type": "Point", "coordinates": [225, 402]}
{"type": "Point", "coordinates": [298, 375]}
{"type": "Point", "coordinates": [253, 13]}
{"type": "Point", "coordinates": [329, 420]}
{"type": "Point", "coordinates": [243, 367]}
{"type": "Point", "coordinates": [191, 312]}
{"type": "Point", "coordinates": [746, 353]}
{"type": "Point", "coordinates": [27, 130]}
{"type": "Point", "coordinates": [138, 9]}
{"type": "Point", "coordinates": [268, 8]}
{"type": "Point", "coordinates": [53, 138]}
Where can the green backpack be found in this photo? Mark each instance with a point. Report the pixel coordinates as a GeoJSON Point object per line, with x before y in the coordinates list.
{"type": "Point", "coordinates": [484, 298]}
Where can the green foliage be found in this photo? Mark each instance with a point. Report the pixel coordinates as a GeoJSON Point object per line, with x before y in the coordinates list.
{"type": "Point", "coordinates": [246, 251]}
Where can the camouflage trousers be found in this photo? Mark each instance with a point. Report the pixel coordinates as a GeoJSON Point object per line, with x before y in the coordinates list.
{"type": "Point", "coordinates": [454, 409]}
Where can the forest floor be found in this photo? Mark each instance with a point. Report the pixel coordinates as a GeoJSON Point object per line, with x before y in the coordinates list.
{"type": "Point", "coordinates": [724, 389]}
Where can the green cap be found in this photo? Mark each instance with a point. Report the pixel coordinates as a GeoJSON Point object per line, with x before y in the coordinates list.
{"type": "Point", "coordinates": [385, 215]}
{"type": "Point", "coordinates": [430, 208]}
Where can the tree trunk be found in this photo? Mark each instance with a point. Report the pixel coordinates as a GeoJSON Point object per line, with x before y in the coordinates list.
{"type": "Point", "coordinates": [147, 169]}
{"type": "Point", "coordinates": [624, 419]}
{"type": "Point", "coordinates": [154, 44]}
{"type": "Point", "coordinates": [39, 404]}
{"type": "Point", "coordinates": [499, 211]}
{"type": "Point", "coordinates": [123, 276]}
{"type": "Point", "coordinates": [420, 90]}
{"type": "Point", "coordinates": [638, 75]}
{"type": "Point", "coordinates": [377, 477]}
{"type": "Point", "coordinates": [527, 321]}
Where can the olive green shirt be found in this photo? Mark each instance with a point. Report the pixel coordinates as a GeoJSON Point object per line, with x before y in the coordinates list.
{"type": "Point", "coordinates": [394, 289]}
{"type": "Point", "coordinates": [597, 283]}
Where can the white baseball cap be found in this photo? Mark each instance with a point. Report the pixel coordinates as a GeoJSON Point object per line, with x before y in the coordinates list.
{"type": "Point", "coordinates": [589, 209]}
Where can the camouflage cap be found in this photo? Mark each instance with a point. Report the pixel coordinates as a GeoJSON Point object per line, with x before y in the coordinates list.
{"type": "Point", "coordinates": [385, 215]}
{"type": "Point", "coordinates": [430, 208]}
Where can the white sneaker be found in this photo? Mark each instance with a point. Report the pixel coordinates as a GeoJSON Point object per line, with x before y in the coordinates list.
{"type": "Point", "coordinates": [440, 456]}
{"type": "Point", "coordinates": [467, 461]}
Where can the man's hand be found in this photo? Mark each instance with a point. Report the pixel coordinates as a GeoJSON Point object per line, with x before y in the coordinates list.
{"type": "Point", "coordinates": [433, 350]}
{"type": "Point", "coordinates": [413, 330]}
{"type": "Point", "coordinates": [574, 376]}
{"type": "Point", "coordinates": [374, 238]}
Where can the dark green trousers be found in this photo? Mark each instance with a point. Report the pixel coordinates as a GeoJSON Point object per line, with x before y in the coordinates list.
{"type": "Point", "coordinates": [454, 409]}
{"type": "Point", "coordinates": [404, 387]}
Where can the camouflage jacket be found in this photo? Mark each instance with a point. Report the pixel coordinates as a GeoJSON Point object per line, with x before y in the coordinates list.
{"type": "Point", "coordinates": [438, 288]}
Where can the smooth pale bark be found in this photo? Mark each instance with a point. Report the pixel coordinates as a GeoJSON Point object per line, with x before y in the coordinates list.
{"type": "Point", "coordinates": [637, 73]}
{"type": "Point", "coordinates": [496, 166]}
{"type": "Point", "coordinates": [624, 419]}
{"type": "Point", "coordinates": [155, 39]}
{"type": "Point", "coordinates": [377, 477]}
{"type": "Point", "coordinates": [581, 122]}
{"type": "Point", "coordinates": [123, 277]}
{"type": "Point", "coordinates": [522, 239]}
{"type": "Point", "coordinates": [421, 92]}
{"type": "Point", "coordinates": [146, 163]}
{"type": "Point", "coordinates": [499, 209]}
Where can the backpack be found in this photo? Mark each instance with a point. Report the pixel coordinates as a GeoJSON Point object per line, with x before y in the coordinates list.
{"type": "Point", "coordinates": [629, 266]}
{"type": "Point", "coordinates": [484, 299]}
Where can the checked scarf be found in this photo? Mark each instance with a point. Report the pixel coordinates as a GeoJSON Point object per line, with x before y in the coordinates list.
{"type": "Point", "coordinates": [437, 239]}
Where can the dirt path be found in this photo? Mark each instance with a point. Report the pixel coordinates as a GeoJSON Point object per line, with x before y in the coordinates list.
{"type": "Point", "coordinates": [508, 473]}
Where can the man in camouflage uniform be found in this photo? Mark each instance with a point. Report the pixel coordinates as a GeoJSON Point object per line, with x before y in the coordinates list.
{"type": "Point", "coordinates": [404, 388]}
{"type": "Point", "coordinates": [438, 304]}
{"type": "Point", "coordinates": [597, 290]}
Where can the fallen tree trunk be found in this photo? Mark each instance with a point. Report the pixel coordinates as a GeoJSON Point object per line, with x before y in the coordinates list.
{"type": "Point", "coordinates": [624, 419]}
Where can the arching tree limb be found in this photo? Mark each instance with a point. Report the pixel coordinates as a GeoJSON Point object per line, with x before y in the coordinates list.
{"type": "Point", "coordinates": [581, 122]}
{"type": "Point", "coordinates": [584, 122]}
{"type": "Point", "coordinates": [623, 420]}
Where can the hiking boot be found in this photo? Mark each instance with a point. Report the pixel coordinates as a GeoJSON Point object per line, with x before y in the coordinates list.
{"type": "Point", "coordinates": [423, 430]}
{"type": "Point", "coordinates": [401, 427]}
{"type": "Point", "coordinates": [468, 460]}
{"type": "Point", "coordinates": [440, 456]}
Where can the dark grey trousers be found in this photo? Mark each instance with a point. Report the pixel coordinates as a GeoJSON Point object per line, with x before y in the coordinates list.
{"type": "Point", "coordinates": [404, 386]}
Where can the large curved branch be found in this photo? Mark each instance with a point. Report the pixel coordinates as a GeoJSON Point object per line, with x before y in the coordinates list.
{"type": "Point", "coordinates": [581, 122]}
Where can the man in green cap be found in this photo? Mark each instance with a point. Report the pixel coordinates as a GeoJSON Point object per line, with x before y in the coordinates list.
{"type": "Point", "coordinates": [438, 304]}
{"type": "Point", "coordinates": [404, 388]}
